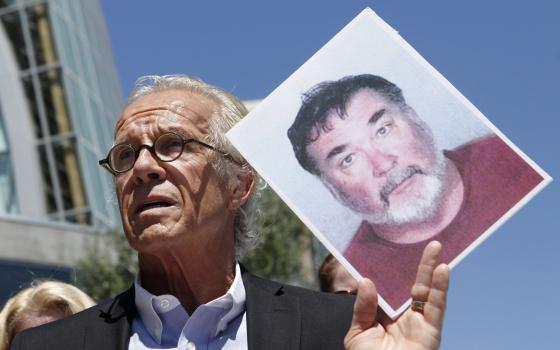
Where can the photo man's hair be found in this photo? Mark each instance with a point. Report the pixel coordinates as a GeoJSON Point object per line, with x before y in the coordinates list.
{"type": "Point", "coordinates": [330, 96]}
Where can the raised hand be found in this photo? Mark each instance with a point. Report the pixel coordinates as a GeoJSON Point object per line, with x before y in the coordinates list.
{"type": "Point", "coordinates": [418, 328]}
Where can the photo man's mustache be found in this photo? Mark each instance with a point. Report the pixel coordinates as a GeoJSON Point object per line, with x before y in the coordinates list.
{"type": "Point", "coordinates": [395, 179]}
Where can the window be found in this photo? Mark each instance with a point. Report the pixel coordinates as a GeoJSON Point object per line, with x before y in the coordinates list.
{"type": "Point", "coordinates": [8, 196]}
{"type": "Point", "coordinates": [54, 100]}
{"type": "Point", "coordinates": [41, 34]}
{"type": "Point", "coordinates": [12, 26]}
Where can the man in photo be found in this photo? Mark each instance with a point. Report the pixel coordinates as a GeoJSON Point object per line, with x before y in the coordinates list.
{"type": "Point", "coordinates": [378, 157]}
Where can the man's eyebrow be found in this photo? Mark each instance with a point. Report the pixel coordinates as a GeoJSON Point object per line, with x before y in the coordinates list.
{"type": "Point", "coordinates": [375, 117]}
{"type": "Point", "coordinates": [335, 151]}
{"type": "Point", "coordinates": [177, 130]}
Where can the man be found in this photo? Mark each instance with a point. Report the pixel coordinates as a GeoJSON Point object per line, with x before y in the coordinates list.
{"type": "Point", "coordinates": [379, 158]}
{"type": "Point", "coordinates": [185, 199]}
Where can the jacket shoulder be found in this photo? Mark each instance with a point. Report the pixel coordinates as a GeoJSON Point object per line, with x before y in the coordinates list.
{"type": "Point", "coordinates": [324, 310]}
{"type": "Point", "coordinates": [310, 299]}
{"type": "Point", "coordinates": [319, 320]}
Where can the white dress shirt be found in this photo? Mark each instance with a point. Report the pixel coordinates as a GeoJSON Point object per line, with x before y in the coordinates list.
{"type": "Point", "coordinates": [163, 323]}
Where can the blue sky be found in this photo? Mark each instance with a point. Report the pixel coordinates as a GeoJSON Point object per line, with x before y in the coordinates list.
{"type": "Point", "coordinates": [504, 56]}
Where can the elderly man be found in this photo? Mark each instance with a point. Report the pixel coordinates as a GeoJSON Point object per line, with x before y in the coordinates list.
{"type": "Point", "coordinates": [379, 158]}
{"type": "Point", "coordinates": [186, 202]}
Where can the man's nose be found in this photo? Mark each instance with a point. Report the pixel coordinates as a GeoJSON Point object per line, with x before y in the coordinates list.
{"type": "Point", "coordinates": [381, 162]}
{"type": "Point", "coordinates": [147, 167]}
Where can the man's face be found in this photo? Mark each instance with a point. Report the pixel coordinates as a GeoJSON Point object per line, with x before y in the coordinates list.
{"type": "Point", "coordinates": [378, 161]}
{"type": "Point", "coordinates": [164, 204]}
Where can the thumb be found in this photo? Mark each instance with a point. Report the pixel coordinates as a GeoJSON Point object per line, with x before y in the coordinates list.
{"type": "Point", "coordinates": [365, 307]}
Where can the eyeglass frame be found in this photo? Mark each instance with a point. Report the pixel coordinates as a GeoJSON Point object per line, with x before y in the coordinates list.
{"type": "Point", "coordinates": [106, 164]}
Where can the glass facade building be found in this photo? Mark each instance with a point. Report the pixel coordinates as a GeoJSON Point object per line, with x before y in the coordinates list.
{"type": "Point", "coordinates": [60, 96]}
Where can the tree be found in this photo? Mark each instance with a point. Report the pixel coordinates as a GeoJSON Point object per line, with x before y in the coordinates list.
{"type": "Point", "coordinates": [285, 252]}
{"type": "Point", "coordinates": [109, 268]}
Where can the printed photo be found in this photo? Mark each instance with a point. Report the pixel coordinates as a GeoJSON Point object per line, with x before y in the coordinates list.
{"type": "Point", "coordinates": [379, 154]}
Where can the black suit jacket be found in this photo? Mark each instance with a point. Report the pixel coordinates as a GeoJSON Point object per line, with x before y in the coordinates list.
{"type": "Point", "coordinates": [278, 317]}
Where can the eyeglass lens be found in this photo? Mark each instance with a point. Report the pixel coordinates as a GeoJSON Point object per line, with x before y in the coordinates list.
{"type": "Point", "coordinates": [167, 147]}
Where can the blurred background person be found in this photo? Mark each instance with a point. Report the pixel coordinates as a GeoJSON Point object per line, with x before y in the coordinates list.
{"type": "Point", "coordinates": [40, 303]}
{"type": "Point", "coordinates": [334, 278]}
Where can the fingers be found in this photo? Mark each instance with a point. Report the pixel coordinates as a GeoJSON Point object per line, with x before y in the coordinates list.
{"type": "Point", "coordinates": [428, 262]}
{"type": "Point", "coordinates": [434, 310]}
{"type": "Point", "coordinates": [365, 307]}
{"type": "Point", "coordinates": [431, 285]}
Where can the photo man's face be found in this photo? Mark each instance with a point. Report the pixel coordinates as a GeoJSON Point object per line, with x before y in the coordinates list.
{"type": "Point", "coordinates": [379, 160]}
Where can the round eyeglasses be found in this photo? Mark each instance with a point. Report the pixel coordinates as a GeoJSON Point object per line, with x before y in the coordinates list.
{"type": "Point", "coordinates": [167, 147]}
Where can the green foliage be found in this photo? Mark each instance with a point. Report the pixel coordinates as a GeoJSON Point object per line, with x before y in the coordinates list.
{"type": "Point", "coordinates": [285, 252]}
{"type": "Point", "coordinates": [109, 268]}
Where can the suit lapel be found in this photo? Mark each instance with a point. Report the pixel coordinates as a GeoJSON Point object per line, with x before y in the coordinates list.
{"type": "Point", "coordinates": [273, 317]}
{"type": "Point", "coordinates": [113, 330]}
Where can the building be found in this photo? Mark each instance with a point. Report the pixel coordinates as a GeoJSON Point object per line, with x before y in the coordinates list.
{"type": "Point", "coordinates": [59, 97]}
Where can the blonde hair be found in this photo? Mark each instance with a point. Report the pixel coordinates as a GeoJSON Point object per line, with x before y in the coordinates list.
{"type": "Point", "coordinates": [39, 297]}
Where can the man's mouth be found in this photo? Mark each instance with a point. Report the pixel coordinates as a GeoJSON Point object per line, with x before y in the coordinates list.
{"type": "Point", "coordinates": [151, 205]}
{"type": "Point", "coordinates": [396, 180]}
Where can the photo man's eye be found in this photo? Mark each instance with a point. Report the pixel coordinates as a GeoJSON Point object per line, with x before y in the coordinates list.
{"type": "Point", "coordinates": [347, 161]}
{"type": "Point", "coordinates": [384, 130]}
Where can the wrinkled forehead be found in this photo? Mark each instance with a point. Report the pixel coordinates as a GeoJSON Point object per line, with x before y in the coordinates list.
{"type": "Point", "coordinates": [164, 108]}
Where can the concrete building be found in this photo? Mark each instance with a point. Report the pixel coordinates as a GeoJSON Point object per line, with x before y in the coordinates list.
{"type": "Point", "coordinates": [59, 97]}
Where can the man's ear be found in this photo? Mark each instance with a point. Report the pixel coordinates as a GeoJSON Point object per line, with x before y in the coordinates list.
{"type": "Point", "coordinates": [242, 188]}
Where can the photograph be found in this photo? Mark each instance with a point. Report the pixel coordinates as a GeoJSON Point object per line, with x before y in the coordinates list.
{"type": "Point", "coordinates": [279, 175]}
{"type": "Point", "coordinates": [378, 154]}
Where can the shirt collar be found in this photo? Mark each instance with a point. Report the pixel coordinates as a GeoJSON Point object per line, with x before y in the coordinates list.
{"type": "Point", "coordinates": [150, 307]}
{"type": "Point", "coordinates": [233, 302]}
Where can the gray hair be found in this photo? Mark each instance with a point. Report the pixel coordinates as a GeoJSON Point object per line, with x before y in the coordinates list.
{"type": "Point", "coordinates": [229, 111]}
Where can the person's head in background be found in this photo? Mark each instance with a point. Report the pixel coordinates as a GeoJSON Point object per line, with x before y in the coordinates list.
{"type": "Point", "coordinates": [333, 277]}
{"type": "Point", "coordinates": [40, 303]}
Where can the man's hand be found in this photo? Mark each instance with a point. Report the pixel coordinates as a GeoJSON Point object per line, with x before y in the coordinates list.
{"type": "Point", "coordinates": [413, 330]}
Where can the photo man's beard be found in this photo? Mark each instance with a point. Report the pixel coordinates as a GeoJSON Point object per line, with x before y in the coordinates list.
{"type": "Point", "coordinates": [421, 205]}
